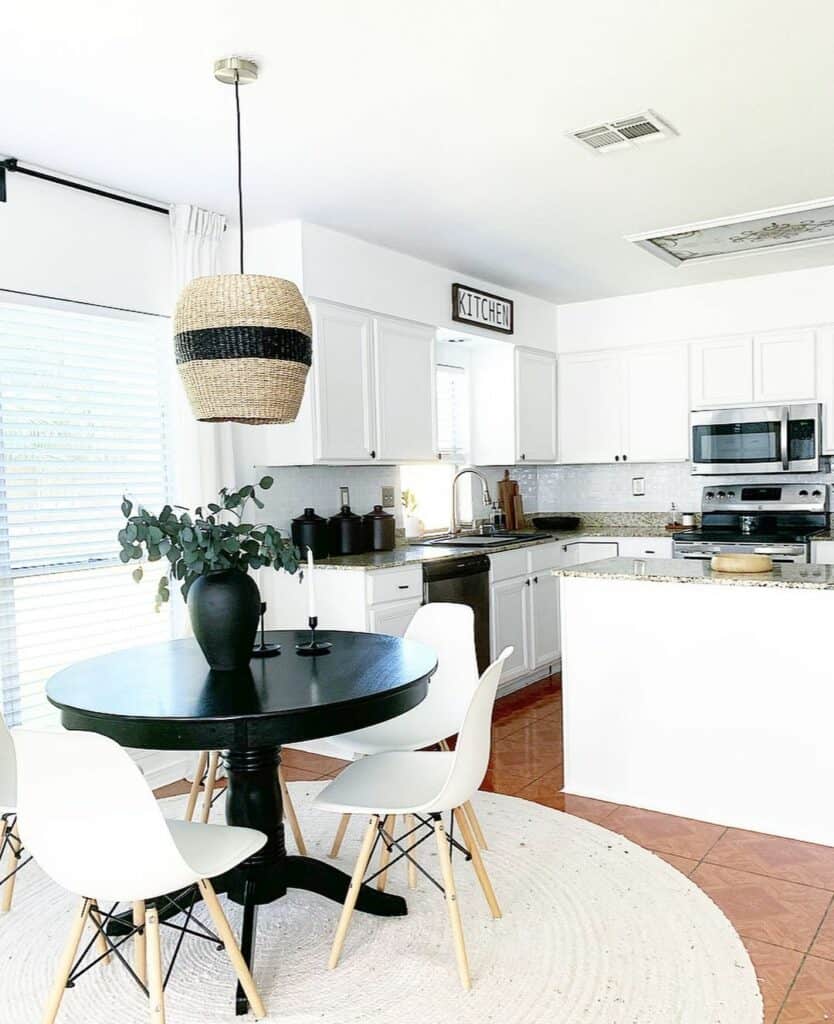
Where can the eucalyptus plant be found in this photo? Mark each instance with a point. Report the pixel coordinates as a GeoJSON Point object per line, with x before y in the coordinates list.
{"type": "Point", "coordinates": [201, 541]}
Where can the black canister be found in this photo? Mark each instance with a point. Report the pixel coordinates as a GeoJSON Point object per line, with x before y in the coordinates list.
{"type": "Point", "coordinates": [310, 531]}
{"type": "Point", "coordinates": [345, 533]}
{"type": "Point", "coordinates": [379, 529]}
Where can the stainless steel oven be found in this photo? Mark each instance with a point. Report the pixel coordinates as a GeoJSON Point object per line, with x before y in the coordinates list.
{"type": "Point", "coordinates": [756, 439]}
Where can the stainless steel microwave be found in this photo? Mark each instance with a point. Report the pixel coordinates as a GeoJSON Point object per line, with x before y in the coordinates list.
{"type": "Point", "coordinates": [756, 439]}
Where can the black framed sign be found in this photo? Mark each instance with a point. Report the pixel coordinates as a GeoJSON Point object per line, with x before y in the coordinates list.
{"type": "Point", "coordinates": [482, 309]}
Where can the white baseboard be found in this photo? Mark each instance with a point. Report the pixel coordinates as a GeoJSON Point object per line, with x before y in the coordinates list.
{"type": "Point", "coordinates": [527, 680]}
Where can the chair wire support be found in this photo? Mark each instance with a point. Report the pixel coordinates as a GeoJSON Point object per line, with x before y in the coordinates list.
{"type": "Point", "coordinates": [392, 842]}
{"type": "Point", "coordinates": [10, 842]}
{"type": "Point", "coordinates": [101, 918]}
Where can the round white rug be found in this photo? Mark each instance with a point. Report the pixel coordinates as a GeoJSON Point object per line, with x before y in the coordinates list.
{"type": "Point", "coordinates": [595, 930]}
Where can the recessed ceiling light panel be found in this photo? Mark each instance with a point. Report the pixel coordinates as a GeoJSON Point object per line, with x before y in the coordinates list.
{"type": "Point", "coordinates": [784, 227]}
{"type": "Point", "coordinates": [624, 133]}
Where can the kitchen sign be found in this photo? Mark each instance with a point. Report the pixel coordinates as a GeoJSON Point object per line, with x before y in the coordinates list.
{"type": "Point", "coordinates": [470, 306]}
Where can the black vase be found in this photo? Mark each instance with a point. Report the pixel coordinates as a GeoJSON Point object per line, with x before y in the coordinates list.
{"type": "Point", "coordinates": [224, 607]}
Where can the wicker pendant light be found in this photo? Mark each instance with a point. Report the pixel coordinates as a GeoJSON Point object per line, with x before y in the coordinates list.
{"type": "Point", "coordinates": [243, 341]}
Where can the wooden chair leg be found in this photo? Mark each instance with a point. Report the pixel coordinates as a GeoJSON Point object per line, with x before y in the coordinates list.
{"type": "Point", "coordinates": [353, 890]}
{"type": "Point", "coordinates": [344, 821]}
{"type": "Point", "coordinates": [199, 772]}
{"type": "Point", "coordinates": [290, 815]}
{"type": "Point", "coordinates": [12, 861]}
{"type": "Point", "coordinates": [385, 853]}
{"type": "Point", "coordinates": [102, 948]}
{"type": "Point", "coordinates": [412, 870]}
{"type": "Point", "coordinates": [452, 902]}
{"type": "Point", "coordinates": [232, 951]}
{"type": "Point", "coordinates": [156, 994]}
{"type": "Point", "coordinates": [140, 956]}
{"type": "Point", "coordinates": [211, 781]}
{"type": "Point", "coordinates": [475, 825]}
{"type": "Point", "coordinates": [65, 965]}
{"type": "Point", "coordinates": [477, 862]}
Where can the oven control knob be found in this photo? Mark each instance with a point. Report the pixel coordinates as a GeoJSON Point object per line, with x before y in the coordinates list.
{"type": "Point", "coordinates": [731, 494]}
{"type": "Point", "coordinates": [816, 494]}
{"type": "Point", "coordinates": [803, 494]}
{"type": "Point", "coordinates": [721, 494]}
{"type": "Point", "coordinates": [710, 495]}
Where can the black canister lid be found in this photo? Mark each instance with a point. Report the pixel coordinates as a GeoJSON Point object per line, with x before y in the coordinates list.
{"type": "Point", "coordinates": [309, 517]}
{"type": "Point", "coordinates": [345, 513]}
{"type": "Point", "coordinates": [378, 512]}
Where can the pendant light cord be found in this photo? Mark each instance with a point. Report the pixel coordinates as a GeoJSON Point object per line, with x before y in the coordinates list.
{"type": "Point", "coordinates": [239, 169]}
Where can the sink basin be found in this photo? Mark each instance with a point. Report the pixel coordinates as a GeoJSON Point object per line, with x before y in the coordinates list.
{"type": "Point", "coordinates": [480, 541]}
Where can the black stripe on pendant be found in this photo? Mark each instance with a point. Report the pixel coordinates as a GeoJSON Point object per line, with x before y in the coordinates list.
{"type": "Point", "coordinates": [243, 342]}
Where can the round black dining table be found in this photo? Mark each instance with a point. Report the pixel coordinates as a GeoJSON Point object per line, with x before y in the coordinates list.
{"type": "Point", "coordinates": [164, 697]}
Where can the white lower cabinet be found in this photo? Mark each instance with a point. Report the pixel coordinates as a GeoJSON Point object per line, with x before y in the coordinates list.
{"type": "Point", "coordinates": [392, 618]}
{"type": "Point", "coordinates": [822, 552]}
{"type": "Point", "coordinates": [578, 551]}
{"type": "Point", "coordinates": [544, 619]}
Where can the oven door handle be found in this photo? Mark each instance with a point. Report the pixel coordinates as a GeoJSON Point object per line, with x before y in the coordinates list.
{"type": "Point", "coordinates": [784, 439]}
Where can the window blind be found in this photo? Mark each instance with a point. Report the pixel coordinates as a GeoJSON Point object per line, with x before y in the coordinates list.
{"type": "Point", "coordinates": [82, 421]}
{"type": "Point", "coordinates": [453, 412]}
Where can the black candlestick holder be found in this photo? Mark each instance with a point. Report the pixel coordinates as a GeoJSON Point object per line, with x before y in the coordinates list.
{"type": "Point", "coordinates": [315, 646]}
{"type": "Point", "coordinates": [263, 649]}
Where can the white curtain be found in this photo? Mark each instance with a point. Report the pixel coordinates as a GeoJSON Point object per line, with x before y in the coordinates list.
{"type": "Point", "coordinates": [203, 452]}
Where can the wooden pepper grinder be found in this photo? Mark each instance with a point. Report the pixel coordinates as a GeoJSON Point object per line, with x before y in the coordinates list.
{"type": "Point", "coordinates": [507, 494]}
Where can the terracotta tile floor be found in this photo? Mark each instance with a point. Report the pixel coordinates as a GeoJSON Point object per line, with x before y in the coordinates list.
{"type": "Point", "coordinates": [778, 893]}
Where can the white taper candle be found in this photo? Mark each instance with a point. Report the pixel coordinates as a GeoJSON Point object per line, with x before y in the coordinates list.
{"type": "Point", "coordinates": [311, 589]}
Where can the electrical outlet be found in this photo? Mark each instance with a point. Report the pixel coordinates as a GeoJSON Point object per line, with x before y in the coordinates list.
{"type": "Point", "coordinates": [638, 486]}
{"type": "Point", "coordinates": [388, 500]}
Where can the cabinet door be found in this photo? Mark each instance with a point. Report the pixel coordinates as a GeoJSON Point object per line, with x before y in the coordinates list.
{"type": "Point", "coordinates": [509, 624]}
{"type": "Point", "coordinates": [822, 552]}
{"type": "Point", "coordinates": [544, 619]}
{"type": "Point", "coordinates": [405, 391]}
{"type": "Point", "coordinates": [645, 547]}
{"type": "Point", "coordinates": [721, 371]}
{"type": "Point", "coordinates": [342, 371]}
{"type": "Point", "coordinates": [785, 368]}
{"type": "Point", "coordinates": [577, 552]}
{"type": "Point", "coordinates": [825, 386]}
{"type": "Point", "coordinates": [393, 618]}
{"type": "Point", "coordinates": [656, 404]}
{"type": "Point", "coordinates": [590, 408]}
{"type": "Point", "coordinates": [535, 405]}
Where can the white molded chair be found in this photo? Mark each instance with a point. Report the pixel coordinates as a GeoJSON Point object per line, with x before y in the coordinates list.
{"type": "Point", "coordinates": [111, 842]}
{"type": "Point", "coordinates": [449, 629]}
{"type": "Point", "coordinates": [11, 850]}
{"type": "Point", "coordinates": [420, 785]}
{"type": "Point", "coordinates": [205, 776]}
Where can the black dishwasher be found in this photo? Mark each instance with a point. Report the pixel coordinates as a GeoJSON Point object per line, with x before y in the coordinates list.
{"type": "Point", "coordinates": [462, 581]}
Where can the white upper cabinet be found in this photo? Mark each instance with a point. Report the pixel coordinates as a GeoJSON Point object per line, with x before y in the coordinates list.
{"type": "Point", "coordinates": [535, 405]}
{"type": "Point", "coordinates": [624, 406]}
{"type": "Point", "coordinates": [590, 415]}
{"type": "Point", "coordinates": [404, 371]}
{"type": "Point", "coordinates": [656, 404]}
{"type": "Point", "coordinates": [784, 367]}
{"type": "Point", "coordinates": [343, 384]}
{"type": "Point", "coordinates": [721, 371]}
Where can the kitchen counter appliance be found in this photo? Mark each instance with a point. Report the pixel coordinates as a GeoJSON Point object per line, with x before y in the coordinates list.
{"type": "Point", "coordinates": [462, 581]}
{"type": "Point", "coordinates": [779, 520]}
{"type": "Point", "coordinates": [756, 439]}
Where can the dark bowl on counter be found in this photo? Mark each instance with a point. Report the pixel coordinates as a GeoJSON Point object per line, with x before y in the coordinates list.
{"type": "Point", "coordinates": [555, 522]}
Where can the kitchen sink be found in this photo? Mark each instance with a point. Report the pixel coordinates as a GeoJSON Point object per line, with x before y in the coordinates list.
{"type": "Point", "coordinates": [480, 540]}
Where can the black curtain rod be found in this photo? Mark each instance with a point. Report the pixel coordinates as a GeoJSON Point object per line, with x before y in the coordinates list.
{"type": "Point", "coordinates": [11, 164]}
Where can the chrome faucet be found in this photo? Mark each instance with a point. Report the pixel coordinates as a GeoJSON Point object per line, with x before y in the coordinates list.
{"type": "Point", "coordinates": [454, 528]}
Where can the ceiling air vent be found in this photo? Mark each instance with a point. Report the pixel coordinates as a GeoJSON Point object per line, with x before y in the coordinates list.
{"type": "Point", "coordinates": [624, 133]}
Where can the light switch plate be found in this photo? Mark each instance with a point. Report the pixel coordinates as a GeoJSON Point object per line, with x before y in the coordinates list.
{"type": "Point", "coordinates": [638, 486]}
{"type": "Point", "coordinates": [388, 500]}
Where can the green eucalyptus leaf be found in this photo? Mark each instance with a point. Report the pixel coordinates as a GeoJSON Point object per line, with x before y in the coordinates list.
{"type": "Point", "coordinates": [125, 555]}
{"type": "Point", "coordinates": [127, 507]}
{"type": "Point", "coordinates": [265, 483]}
{"type": "Point", "coordinates": [138, 573]}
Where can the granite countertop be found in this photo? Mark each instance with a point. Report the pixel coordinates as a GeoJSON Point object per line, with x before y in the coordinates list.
{"type": "Point", "coordinates": [416, 554]}
{"type": "Point", "coordinates": [675, 570]}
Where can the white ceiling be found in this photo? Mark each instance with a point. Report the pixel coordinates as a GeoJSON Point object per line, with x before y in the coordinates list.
{"type": "Point", "coordinates": [437, 128]}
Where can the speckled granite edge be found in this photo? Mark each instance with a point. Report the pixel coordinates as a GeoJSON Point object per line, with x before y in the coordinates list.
{"type": "Point", "coordinates": [664, 570]}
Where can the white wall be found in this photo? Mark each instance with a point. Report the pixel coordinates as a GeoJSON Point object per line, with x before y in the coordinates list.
{"type": "Point", "coordinates": [60, 242]}
{"type": "Point", "coordinates": [767, 302]}
{"type": "Point", "coordinates": [339, 268]}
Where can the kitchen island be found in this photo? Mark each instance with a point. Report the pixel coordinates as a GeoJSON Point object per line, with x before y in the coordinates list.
{"type": "Point", "coordinates": [701, 694]}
